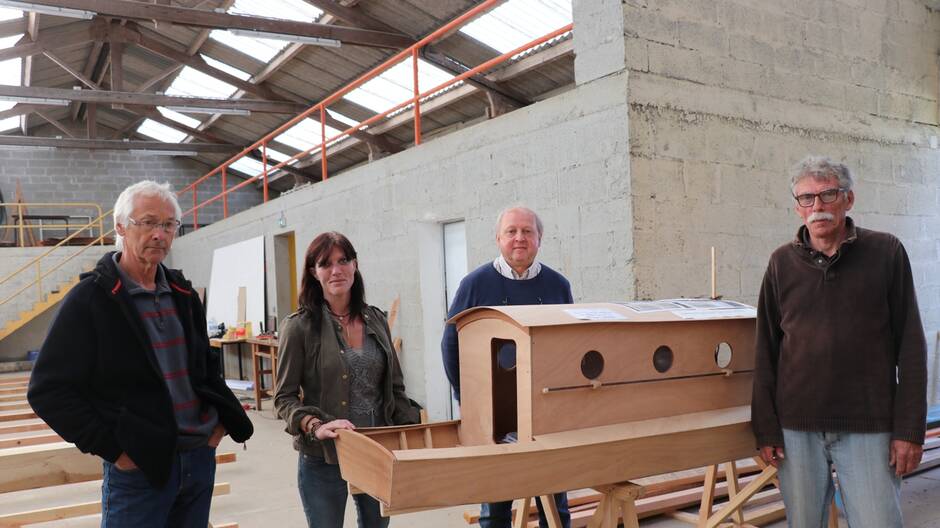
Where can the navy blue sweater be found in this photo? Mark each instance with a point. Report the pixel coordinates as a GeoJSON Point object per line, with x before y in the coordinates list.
{"type": "Point", "coordinates": [484, 286]}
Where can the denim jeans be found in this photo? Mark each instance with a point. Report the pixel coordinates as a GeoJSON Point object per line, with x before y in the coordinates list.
{"type": "Point", "coordinates": [869, 487]}
{"type": "Point", "coordinates": [129, 500]}
{"type": "Point", "coordinates": [499, 514]}
{"type": "Point", "coordinates": [323, 493]}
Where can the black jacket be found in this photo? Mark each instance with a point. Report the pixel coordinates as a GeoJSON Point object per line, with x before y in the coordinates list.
{"type": "Point", "coordinates": [97, 382]}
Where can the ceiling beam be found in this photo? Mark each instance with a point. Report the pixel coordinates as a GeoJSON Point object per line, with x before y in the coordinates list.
{"type": "Point", "coordinates": [94, 56]}
{"type": "Point", "coordinates": [106, 144]}
{"type": "Point", "coordinates": [74, 73]}
{"type": "Point", "coordinates": [54, 122]}
{"type": "Point", "coordinates": [91, 122]}
{"type": "Point", "coordinates": [21, 109]}
{"type": "Point", "coordinates": [184, 16]}
{"type": "Point", "coordinates": [56, 38]}
{"type": "Point", "coordinates": [131, 34]}
{"type": "Point", "coordinates": [32, 33]}
{"type": "Point", "coordinates": [103, 96]}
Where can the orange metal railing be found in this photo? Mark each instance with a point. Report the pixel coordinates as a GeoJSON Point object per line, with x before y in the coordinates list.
{"type": "Point", "coordinates": [321, 109]}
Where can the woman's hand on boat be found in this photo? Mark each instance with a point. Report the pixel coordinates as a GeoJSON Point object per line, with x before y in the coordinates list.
{"type": "Point", "coordinates": [328, 429]}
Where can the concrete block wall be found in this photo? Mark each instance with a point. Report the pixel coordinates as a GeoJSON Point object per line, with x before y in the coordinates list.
{"type": "Point", "coordinates": [15, 346]}
{"type": "Point", "coordinates": [73, 175]}
{"type": "Point", "coordinates": [725, 96]}
{"type": "Point", "coordinates": [566, 157]}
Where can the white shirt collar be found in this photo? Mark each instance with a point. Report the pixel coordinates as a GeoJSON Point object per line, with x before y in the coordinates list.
{"type": "Point", "coordinates": [506, 270]}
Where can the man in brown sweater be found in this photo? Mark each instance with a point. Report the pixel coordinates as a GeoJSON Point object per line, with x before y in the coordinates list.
{"type": "Point", "coordinates": [841, 371]}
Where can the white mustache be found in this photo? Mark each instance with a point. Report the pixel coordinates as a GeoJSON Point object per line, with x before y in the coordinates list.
{"type": "Point", "coordinates": [820, 215]}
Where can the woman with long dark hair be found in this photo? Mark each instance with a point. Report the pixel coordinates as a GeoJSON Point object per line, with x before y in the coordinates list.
{"type": "Point", "coordinates": [336, 370]}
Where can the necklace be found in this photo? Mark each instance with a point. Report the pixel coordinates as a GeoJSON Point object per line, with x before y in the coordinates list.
{"type": "Point", "coordinates": [342, 317]}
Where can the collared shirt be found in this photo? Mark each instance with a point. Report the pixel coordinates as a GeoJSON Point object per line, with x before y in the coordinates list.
{"type": "Point", "coordinates": [168, 339]}
{"type": "Point", "coordinates": [506, 270]}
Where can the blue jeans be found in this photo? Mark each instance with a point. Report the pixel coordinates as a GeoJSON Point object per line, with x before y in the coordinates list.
{"type": "Point", "coordinates": [499, 514]}
{"type": "Point", "coordinates": [869, 487]}
{"type": "Point", "coordinates": [323, 493]}
{"type": "Point", "coordinates": [129, 500]}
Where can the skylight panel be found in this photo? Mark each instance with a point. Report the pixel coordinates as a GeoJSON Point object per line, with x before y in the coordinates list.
{"type": "Point", "coordinates": [250, 166]}
{"type": "Point", "coordinates": [179, 118]}
{"type": "Point", "coordinates": [305, 134]}
{"type": "Point", "coordinates": [9, 123]}
{"type": "Point", "coordinates": [517, 22]}
{"type": "Point", "coordinates": [259, 48]}
{"type": "Point", "coordinates": [262, 49]}
{"type": "Point", "coordinates": [227, 68]}
{"type": "Point", "coordinates": [276, 155]}
{"type": "Point", "coordinates": [194, 83]}
{"type": "Point", "coordinates": [10, 14]}
{"type": "Point", "coordinates": [151, 128]}
{"type": "Point", "coordinates": [10, 72]}
{"type": "Point", "coordinates": [9, 42]}
{"type": "Point", "coordinates": [395, 85]}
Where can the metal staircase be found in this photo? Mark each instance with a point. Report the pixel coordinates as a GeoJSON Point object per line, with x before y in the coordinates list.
{"type": "Point", "coordinates": [44, 280]}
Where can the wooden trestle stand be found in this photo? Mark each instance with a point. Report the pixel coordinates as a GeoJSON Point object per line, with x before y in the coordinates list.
{"type": "Point", "coordinates": [600, 394]}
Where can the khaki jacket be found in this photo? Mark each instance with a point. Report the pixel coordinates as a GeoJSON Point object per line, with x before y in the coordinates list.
{"type": "Point", "coordinates": [313, 379]}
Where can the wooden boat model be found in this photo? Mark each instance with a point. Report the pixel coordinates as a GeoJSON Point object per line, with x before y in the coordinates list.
{"type": "Point", "coordinates": [599, 394]}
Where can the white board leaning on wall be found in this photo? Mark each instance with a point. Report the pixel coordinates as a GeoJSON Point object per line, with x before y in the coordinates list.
{"type": "Point", "coordinates": [234, 266]}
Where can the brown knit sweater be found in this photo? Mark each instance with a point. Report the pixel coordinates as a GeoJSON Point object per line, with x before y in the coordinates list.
{"type": "Point", "coordinates": [840, 345]}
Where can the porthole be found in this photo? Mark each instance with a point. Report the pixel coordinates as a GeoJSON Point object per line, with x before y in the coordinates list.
{"type": "Point", "coordinates": [592, 364]}
{"type": "Point", "coordinates": [662, 359]}
{"type": "Point", "coordinates": [723, 355]}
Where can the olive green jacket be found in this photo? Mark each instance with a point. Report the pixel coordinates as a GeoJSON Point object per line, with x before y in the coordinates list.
{"type": "Point", "coordinates": [313, 379]}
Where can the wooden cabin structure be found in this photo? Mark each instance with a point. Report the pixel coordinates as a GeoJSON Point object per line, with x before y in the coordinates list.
{"type": "Point", "coordinates": [597, 394]}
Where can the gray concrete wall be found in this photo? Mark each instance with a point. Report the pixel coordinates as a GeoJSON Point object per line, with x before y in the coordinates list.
{"type": "Point", "coordinates": [64, 175]}
{"type": "Point", "coordinates": [725, 96]}
{"type": "Point", "coordinates": [566, 157]}
{"type": "Point", "coordinates": [70, 261]}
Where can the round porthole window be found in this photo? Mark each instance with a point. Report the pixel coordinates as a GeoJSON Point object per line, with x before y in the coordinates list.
{"type": "Point", "coordinates": [662, 359]}
{"type": "Point", "coordinates": [592, 364]}
{"type": "Point", "coordinates": [723, 355]}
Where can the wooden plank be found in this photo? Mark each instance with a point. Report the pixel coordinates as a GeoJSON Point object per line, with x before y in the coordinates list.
{"type": "Point", "coordinates": [14, 397]}
{"type": "Point", "coordinates": [60, 37]}
{"type": "Point", "coordinates": [212, 20]}
{"type": "Point", "coordinates": [12, 416]}
{"type": "Point", "coordinates": [39, 466]}
{"type": "Point", "coordinates": [23, 428]}
{"type": "Point", "coordinates": [57, 513]}
{"type": "Point", "coordinates": [29, 440]}
{"type": "Point", "coordinates": [14, 405]}
{"type": "Point", "coordinates": [72, 71]}
{"type": "Point", "coordinates": [112, 97]}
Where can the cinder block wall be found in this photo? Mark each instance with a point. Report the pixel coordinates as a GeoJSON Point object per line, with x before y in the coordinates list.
{"type": "Point", "coordinates": [725, 96]}
{"type": "Point", "coordinates": [72, 175]}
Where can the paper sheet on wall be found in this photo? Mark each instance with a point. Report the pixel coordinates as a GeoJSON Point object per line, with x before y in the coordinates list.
{"type": "Point", "coordinates": [234, 266]}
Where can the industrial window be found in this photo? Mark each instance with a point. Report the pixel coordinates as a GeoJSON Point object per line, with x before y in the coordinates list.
{"type": "Point", "coordinates": [516, 22]}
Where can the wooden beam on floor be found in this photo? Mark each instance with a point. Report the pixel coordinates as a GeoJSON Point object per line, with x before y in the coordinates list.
{"type": "Point", "coordinates": [23, 428]}
{"type": "Point", "coordinates": [57, 513]}
{"type": "Point", "coordinates": [38, 439]}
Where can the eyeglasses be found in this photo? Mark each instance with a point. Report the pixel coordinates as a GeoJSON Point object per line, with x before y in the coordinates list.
{"type": "Point", "coordinates": [827, 196]}
{"type": "Point", "coordinates": [149, 225]}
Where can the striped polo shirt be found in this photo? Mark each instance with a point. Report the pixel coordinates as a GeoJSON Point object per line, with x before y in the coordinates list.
{"type": "Point", "coordinates": [158, 313]}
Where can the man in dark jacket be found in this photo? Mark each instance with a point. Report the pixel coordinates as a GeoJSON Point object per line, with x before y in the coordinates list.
{"type": "Point", "coordinates": [514, 278]}
{"type": "Point", "coordinates": [841, 375]}
{"type": "Point", "coordinates": [126, 373]}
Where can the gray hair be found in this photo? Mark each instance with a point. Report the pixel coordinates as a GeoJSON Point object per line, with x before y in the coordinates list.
{"type": "Point", "coordinates": [538, 221]}
{"type": "Point", "coordinates": [124, 206]}
{"type": "Point", "coordinates": [820, 168]}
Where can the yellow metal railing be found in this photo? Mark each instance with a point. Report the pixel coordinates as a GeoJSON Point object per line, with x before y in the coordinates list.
{"type": "Point", "coordinates": [22, 217]}
{"type": "Point", "coordinates": [37, 261]}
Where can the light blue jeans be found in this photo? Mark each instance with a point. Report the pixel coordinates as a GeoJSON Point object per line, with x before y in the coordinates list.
{"type": "Point", "coordinates": [869, 487]}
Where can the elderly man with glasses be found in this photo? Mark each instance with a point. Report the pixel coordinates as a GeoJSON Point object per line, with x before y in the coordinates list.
{"type": "Point", "coordinates": [126, 373]}
{"type": "Point", "coordinates": [841, 371]}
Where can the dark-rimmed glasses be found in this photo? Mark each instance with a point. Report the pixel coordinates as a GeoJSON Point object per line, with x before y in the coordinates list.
{"type": "Point", "coordinates": [827, 196]}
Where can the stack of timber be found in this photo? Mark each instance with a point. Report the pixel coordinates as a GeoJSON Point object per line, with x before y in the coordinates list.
{"type": "Point", "coordinates": [36, 464]}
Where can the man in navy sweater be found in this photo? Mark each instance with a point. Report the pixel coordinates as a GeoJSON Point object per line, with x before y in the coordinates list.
{"type": "Point", "coordinates": [514, 278]}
